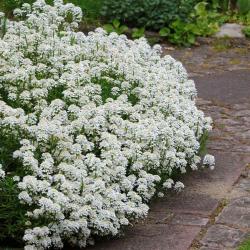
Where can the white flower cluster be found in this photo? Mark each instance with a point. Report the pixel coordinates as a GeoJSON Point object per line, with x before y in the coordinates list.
{"type": "Point", "coordinates": [101, 120]}
{"type": "Point", "coordinates": [209, 161]}
{"type": "Point", "coordinates": [2, 172]}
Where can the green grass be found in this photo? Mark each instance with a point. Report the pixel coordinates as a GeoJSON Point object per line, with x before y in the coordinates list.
{"type": "Point", "coordinates": [245, 245]}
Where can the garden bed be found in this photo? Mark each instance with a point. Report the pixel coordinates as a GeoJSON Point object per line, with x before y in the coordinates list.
{"type": "Point", "coordinates": [92, 127]}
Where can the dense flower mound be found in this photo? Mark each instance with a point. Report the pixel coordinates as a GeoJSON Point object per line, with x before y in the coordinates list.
{"type": "Point", "coordinates": [93, 125]}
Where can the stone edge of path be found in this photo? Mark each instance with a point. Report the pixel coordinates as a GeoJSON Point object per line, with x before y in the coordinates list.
{"type": "Point", "coordinates": [229, 224]}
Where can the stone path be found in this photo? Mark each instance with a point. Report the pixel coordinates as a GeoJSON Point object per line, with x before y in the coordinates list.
{"type": "Point", "coordinates": [213, 211]}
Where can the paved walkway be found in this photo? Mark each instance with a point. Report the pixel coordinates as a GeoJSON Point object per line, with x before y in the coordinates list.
{"type": "Point", "coordinates": [213, 211]}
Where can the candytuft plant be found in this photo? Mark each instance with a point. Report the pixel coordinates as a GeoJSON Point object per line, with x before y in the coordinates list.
{"type": "Point", "coordinates": [92, 127]}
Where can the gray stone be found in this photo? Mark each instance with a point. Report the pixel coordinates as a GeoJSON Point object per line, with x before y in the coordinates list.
{"type": "Point", "coordinates": [235, 216]}
{"type": "Point", "coordinates": [159, 217]}
{"type": "Point", "coordinates": [212, 247]}
{"type": "Point", "coordinates": [237, 213]}
{"type": "Point", "coordinates": [244, 185]}
{"type": "Point", "coordinates": [186, 202]}
{"type": "Point", "coordinates": [152, 237]}
{"type": "Point", "coordinates": [223, 236]}
{"type": "Point", "coordinates": [243, 202]}
{"type": "Point", "coordinates": [189, 220]}
{"type": "Point", "coordinates": [226, 87]}
{"type": "Point", "coordinates": [230, 30]}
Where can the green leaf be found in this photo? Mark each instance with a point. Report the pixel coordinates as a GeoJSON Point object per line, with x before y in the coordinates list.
{"type": "Point", "coordinates": [200, 8]}
{"type": "Point", "coordinates": [138, 33]}
{"type": "Point", "coordinates": [191, 39]}
{"type": "Point", "coordinates": [164, 32]}
{"type": "Point", "coordinates": [243, 6]}
{"type": "Point", "coordinates": [123, 29]}
{"type": "Point", "coordinates": [178, 24]}
{"type": "Point", "coordinates": [246, 31]}
{"type": "Point", "coordinates": [109, 28]}
{"type": "Point", "coordinates": [116, 23]}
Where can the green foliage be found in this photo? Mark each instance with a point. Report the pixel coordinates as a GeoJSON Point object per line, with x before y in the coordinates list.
{"type": "Point", "coordinates": [236, 17]}
{"type": "Point", "coordinates": [246, 31]}
{"type": "Point", "coordinates": [243, 6]}
{"type": "Point", "coordinates": [151, 14]}
{"type": "Point", "coordinates": [138, 33]}
{"type": "Point", "coordinates": [183, 33]}
{"type": "Point", "coordinates": [12, 214]}
{"type": "Point", "coordinates": [205, 21]}
{"type": "Point", "coordinates": [115, 27]}
{"type": "Point", "coordinates": [90, 8]}
{"type": "Point", "coordinates": [245, 245]}
{"type": "Point", "coordinates": [203, 144]}
{"type": "Point", "coordinates": [231, 5]}
{"type": "Point", "coordinates": [202, 22]}
{"type": "Point", "coordinates": [164, 32]}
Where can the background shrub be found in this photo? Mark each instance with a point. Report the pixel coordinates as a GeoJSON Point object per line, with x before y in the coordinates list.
{"type": "Point", "coordinates": [153, 14]}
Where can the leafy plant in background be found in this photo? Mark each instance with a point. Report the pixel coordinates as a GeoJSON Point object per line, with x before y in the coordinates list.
{"type": "Point", "coordinates": [243, 6]}
{"type": "Point", "coordinates": [164, 32]}
{"type": "Point", "coordinates": [151, 14]}
{"type": "Point", "coordinates": [202, 22]}
{"type": "Point", "coordinates": [246, 31]}
{"type": "Point", "coordinates": [180, 33]}
{"type": "Point", "coordinates": [206, 21]}
{"type": "Point", "coordinates": [115, 26]}
{"type": "Point", "coordinates": [138, 33]}
{"type": "Point", "coordinates": [243, 19]}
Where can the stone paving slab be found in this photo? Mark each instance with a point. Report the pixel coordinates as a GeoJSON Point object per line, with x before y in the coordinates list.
{"type": "Point", "coordinates": [189, 220]}
{"type": "Point", "coordinates": [152, 237]}
{"type": "Point", "coordinates": [235, 217]}
{"type": "Point", "coordinates": [213, 248]}
{"type": "Point", "coordinates": [230, 30]}
{"type": "Point", "coordinates": [227, 87]}
{"type": "Point", "coordinates": [215, 57]}
{"type": "Point", "coordinates": [223, 236]}
{"type": "Point", "coordinates": [242, 188]}
{"type": "Point", "coordinates": [216, 184]}
{"type": "Point", "coordinates": [186, 202]}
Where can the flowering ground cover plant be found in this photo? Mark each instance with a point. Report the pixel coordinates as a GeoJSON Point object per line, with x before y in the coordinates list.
{"type": "Point", "coordinates": [92, 127]}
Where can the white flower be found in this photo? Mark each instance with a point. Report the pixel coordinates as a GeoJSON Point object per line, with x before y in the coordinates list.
{"type": "Point", "coordinates": [160, 194]}
{"type": "Point", "coordinates": [212, 167]}
{"type": "Point", "coordinates": [24, 197]}
{"type": "Point", "coordinates": [16, 178]}
{"type": "Point", "coordinates": [209, 161]}
{"type": "Point", "coordinates": [168, 183]}
{"type": "Point", "coordinates": [2, 173]}
{"type": "Point", "coordinates": [178, 186]}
